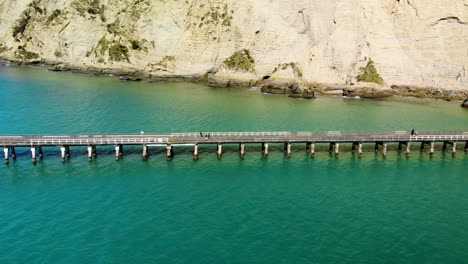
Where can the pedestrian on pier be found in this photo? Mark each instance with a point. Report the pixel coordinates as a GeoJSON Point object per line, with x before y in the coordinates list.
{"type": "Point", "coordinates": [413, 132]}
{"type": "Point", "coordinates": [201, 134]}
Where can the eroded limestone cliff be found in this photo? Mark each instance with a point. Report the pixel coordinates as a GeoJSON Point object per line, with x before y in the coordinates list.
{"type": "Point", "coordinates": [402, 44]}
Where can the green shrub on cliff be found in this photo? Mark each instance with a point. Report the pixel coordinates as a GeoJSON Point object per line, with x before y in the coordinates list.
{"type": "Point", "coordinates": [3, 48]}
{"type": "Point", "coordinates": [114, 27]}
{"type": "Point", "coordinates": [58, 54]}
{"type": "Point", "coordinates": [23, 54]}
{"type": "Point", "coordinates": [240, 61]}
{"type": "Point", "coordinates": [54, 15]}
{"type": "Point", "coordinates": [92, 7]}
{"type": "Point", "coordinates": [21, 24]}
{"type": "Point", "coordinates": [118, 52]}
{"type": "Point", "coordinates": [370, 74]}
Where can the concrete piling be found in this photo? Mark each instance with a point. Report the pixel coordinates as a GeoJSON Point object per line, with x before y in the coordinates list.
{"type": "Point", "coordinates": [63, 153]}
{"type": "Point", "coordinates": [242, 150]}
{"type": "Point", "coordinates": [90, 153]}
{"type": "Point", "coordinates": [41, 154]}
{"type": "Point", "coordinates": [444, 146]}
{"type": "Point", "coordinates": [431, 152]}
{"type": "Point", "coordinates": [170, 152]}
{"type": "Point", "coordinates": [145, 152]}
{"type": "Point", "coordinates": [353, 148]}
{"type": "Point", "coordinates": [7, 157]}
{"type": "Point", "coordinates": [423, 146]}
{"type": "Point", "coordinates": [95, 151]}
{"type": "Point", "coordinates": [400, 147]}
{"type": "Point", "coordinates": [376, 148]}
{"type": "Point", "coordinates": [384, 149]}
{"type": "Point", "coordinates": [288, 149]}
{"type": "Point", "coordinates": [308, 147]}
{"type": "Point", "coordinates": [220, 151]}
{"type": "Point", "coordinates": [360, 149]}
{"type": "Point", "coordinates": [408, 148]}
{"type": "Point", "coordinates": [330, 149]}
{"type": "Point", "coordinates": [265, 150]}
{"type": "Point", "coordinates": [121, 152]}
{"type": "Point", "coordinates": [195, 152]}
{"type": "Point", "coordinates": [33, 155]}
{"type": "Point", "coordinates": [454, 149]}
{"type": "Point", "coordinates": [337, 150]}
{"type": "Point", "coordinates": [117, 152]}
{"type": "Point", "coordinates": [13, 153]}
{"type": "Point", "coordinates": [312, 150]}
{"type": "Point", "coordinates": [67, 151]}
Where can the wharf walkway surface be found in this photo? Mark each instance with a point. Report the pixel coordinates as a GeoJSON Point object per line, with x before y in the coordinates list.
{"type": "Point", "coordinates": [334, 138]}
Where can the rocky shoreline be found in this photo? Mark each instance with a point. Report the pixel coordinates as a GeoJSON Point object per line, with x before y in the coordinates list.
{"type": "Point", "coordinates": [291, 88]}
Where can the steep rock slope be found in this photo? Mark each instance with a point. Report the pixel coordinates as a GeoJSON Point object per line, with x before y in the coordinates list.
{"type": "Point", "coordinates": [395, 43]}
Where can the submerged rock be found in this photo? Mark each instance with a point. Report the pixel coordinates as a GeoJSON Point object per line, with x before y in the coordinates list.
{"type": "Point", "coordinates": [273, 88]}
{"type": "Point", "coordinates": [130, 79]}
{"type": "Point", "coordinates": [367, 92]}
{"type": "Point", "coordinates": [292, 90]}
{"type": "Point", "coordinates": [307, 94]}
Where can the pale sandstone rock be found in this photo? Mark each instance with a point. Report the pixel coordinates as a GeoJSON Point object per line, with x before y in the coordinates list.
{"type": "Point", "coordinates": [415, 43]}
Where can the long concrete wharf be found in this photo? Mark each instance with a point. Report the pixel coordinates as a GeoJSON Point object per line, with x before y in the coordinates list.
{"type": "Point", "coordinates": [334, 139]}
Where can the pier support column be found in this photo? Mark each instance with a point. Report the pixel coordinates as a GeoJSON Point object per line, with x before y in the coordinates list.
{"type": "Point", "coordinates": [117, 152]}
{"type": "Point", "coordinates": [265, 150]}
{"type": "Point", "coordinates": [220, 151]}
{"type": "Point", "coordinates": [145, 152]}
{"type": "Point", "coordinates": [384, 150]}
{"type": "Point", "coordinates": [63, 152]}
{"type": "Point", "coordinates": [242, 150]}
{"type": "Point", "coordinates": [90, 153]}
{"type": "Point", "coordinates": [444, 147]}
{"type": "Point", "coordinates": [408, 148]}
{"type": "Point", "coordinates": [195, 152]}
{"type": "Point", "coordinates": [454, 149]}
{"type": "Point", "coordinates": [353, 148]}
{"type": "Point", "coordinates": [13, 153]}
{"type": "Point", "coordinates": [360, 149]}
{"type": "Point", "coordinates": [170, 152]}
{"type": "Point", "coordinates": [423, 146]}
{"type": "Point", "coordinates": [308, 147]}
{"type": "Point", "coordinates": [431, 152]}
{"type": "Point", "coordinates": [67, 151]}
{"type": "Point", "coordinates": [41, 154]}
{"type": "Point", "coordinates": [312, 150]}
{"type": "Point", "coordinates": [337, 150]}
{"type": "Point", "coordinates": [376, 148]}
{"type": "Point", "coordinates": [121, 153]}
{"type": "Point", "coordinates": [330, 149]}
{"type": "Point", "coordinates": [288, 149]}
{"type": "Point", "coordinates": [7, 157]}
{"type": "Point", "coordinates": [400, 146]}
{"type": "Point", "coordinates": [94, 151]}
{"type": "Point", "coordinates": [466, 147]}
{"type": "Point", "coordinates": [33, 155]}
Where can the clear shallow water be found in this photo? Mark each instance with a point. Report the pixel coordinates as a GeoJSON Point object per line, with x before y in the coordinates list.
{"type": "Point", "coordinates": [278, 210]}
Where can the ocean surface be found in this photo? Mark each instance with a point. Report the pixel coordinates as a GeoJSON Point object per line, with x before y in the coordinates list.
{"type": "Point", "coordinates": [279, 210]}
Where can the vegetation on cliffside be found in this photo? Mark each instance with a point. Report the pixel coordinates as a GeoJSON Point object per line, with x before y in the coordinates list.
{"type": "Point", "coordinates": [240, 61]}
{"type": "Point", "coordinates": [23, 54]}
{"type": "Point", "coordinates": [370, 74]}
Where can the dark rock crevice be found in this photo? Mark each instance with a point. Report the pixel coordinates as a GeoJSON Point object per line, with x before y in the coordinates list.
{"type": "Point", "coordinates": [450, 19]}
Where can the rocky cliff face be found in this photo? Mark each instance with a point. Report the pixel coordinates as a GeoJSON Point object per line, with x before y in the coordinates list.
{"type": "Point", "coordinates": [404, 44]}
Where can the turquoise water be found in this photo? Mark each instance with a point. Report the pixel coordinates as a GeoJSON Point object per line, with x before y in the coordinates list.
{"type": "Point", "coordinates": [280, 210]}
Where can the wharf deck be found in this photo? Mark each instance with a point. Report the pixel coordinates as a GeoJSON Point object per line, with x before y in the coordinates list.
{"type": "Point", "coordinates": [169, 141]}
